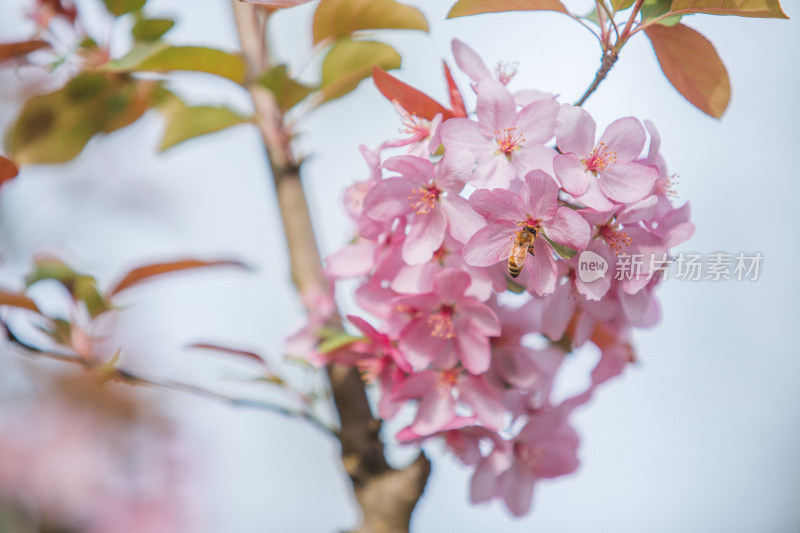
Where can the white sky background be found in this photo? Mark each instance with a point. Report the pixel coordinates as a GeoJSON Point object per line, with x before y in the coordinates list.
{"type": "Point", "coordinates": [701, 436]}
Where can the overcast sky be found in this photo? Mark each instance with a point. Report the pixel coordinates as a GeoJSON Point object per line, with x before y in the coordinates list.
{"type": "Point", "coordinates": [702, 435]}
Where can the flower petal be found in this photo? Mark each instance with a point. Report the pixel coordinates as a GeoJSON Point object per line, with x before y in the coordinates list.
{"type": "Point", "coordinates": [469, 62]}
{"type": "Point", "coordinates": [490, 245]}
{"type": "Point", "coordinates": [542, 268]}
{"type": "Point", "coordinates": [626, 137]}
{"type": "Point", "coordinates": [572, 174]}
{"type": "Point", "coordinates": [474, 351]}
{"type": "Point", "coordinates": [537, 121]}
{"type": "Point", "coordinates": [388, 199]}
{"type": "Point", "coordinates": [449, 285]}
{"type": "Point", "coordinates": [628, 182]}
{"type": "Point", "coordinates": [425, 236]}
{"type": "Point", "coordinates": [462, 220]}
{"type": "Point", "coordinates": [533, 157]}
{"type": "Point", "coordinates": [540, 195]}
{"type": "Point", "coordinates": [463, 133]}
{"type": "Point", "coordinates": [414, 169]}
{"type": "Point", "coordinates": [496, 109]}
{"type": "Point", "coordinates": [436, 409]}
{"type": "Point", "coordinates": [568, 228]}
{"type": "Point", "coordinates": [497, 205]}
{"type": "Point", "coordinates": [575, 130]}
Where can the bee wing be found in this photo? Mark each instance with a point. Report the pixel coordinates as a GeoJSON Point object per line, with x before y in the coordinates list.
{"type": "Point", "coordinates": [518, 253]}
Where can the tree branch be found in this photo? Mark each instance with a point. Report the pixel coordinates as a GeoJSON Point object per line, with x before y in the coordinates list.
{"type": "Point", "coordinates": [609, 58]}
{"type": "Point", "coordinates": [387, 496]}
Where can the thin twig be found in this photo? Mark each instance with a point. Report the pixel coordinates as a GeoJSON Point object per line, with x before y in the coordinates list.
{"type": "Point", "coordinates": [609, 58]}
{"type": "Point", "coordinates": [27, 349]}
{"type": "Point", "coordinates": [610, 16]}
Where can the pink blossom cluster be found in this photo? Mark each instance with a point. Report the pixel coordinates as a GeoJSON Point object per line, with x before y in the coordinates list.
{"type": "Point", "coordinates": [475, 208]}
{"type": "Point", "coordinates": [82, 459]}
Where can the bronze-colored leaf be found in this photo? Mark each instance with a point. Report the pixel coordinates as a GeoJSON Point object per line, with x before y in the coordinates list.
{"type": "Point", "coordinates": [55, 127]}
{"type": "Point", "coordinates": [348, 62]}
{"type": "Point", "coordinates": [692, 65]}
{"type": "Point", "coordinates": [412, 100]}
{"type": "Point", "coordinates": [187, 122]}
{"type": "Point", "coordinates": [151, 29]}
{"type": "Point", "coordinates": [464, 8]}
{"type": "Point", "coordinates": [121, 7]}
{"type": "Point", "coordinates": [161, 57]}
{"type": "Point", "coordinates": [22, 48]}
{"type": "Point", "coordinates": [233, 351]}
{"type": "Point", "coordinates": [21, 301]}
{"type": "Point", "coordinates": [82, 287]}
{"type": "Point", "coordinates": [334, 19]}
{"type": "Point", "coordinates": [8, 169]}
{"type": "Point", "coordinates": [739, 8]}
{"type": "Point", "coordinates": [147, 272]}
{"type": "Point", "coordinates": [287, 91]}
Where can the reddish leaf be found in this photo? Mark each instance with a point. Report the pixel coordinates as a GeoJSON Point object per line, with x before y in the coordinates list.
{"type": "Point", "coordinates": [234, 351]}
{"type": "Point", "coordinates": [412, 100]}
{"type": "Point", "coordinates": [8, 169]}
{"type": "Point", "coordinates": [692, 65]}
{"type": "Point", "coordinates": [57, 7]}
{"type": "Point", "coordinates": [17, 300]}
{"type": "Point", "coordinates": [463, 8]}
{"type": "Point", "coordinates": [138, 275]}
{"type": "Point", "coordinates": [740, 8]}
{"type": "Point", "coordinates": [456, 102]}
{"type": "Point", "coordinates": [12, 50]}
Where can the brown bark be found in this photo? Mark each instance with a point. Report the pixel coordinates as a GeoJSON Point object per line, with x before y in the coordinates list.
{"type": "Point", "coordinates": [387, 496]}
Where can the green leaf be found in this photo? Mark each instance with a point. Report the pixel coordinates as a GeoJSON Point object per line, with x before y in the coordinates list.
{"type": "Point", "coordinates": [55, 127]}
{"type": "Point", "coordinates": [120, 7]}
{"type": "Point", "coordinates": [288, 92]}
{"type": "Point", "coordinates": [592, 17]}
{"type": "Point", "coordinates": [151, 29]}
{"type": "Point", "coordinates": [161, 57]}
{"type": "Point", "coordinates": [564, 251]}
{"type": "Point", "coordinates": [464, 8]}
{"type": "Point", "coordinates": [515, 287]}
{"type": "Point", "coordinates": [82, 287]}
{"type": "Point", "coordinates": [336, 341]}
{"type": "Point", "coordinates": [621, 5]}
{"type": "Point", "coordinates": [348, 62]}
{"type": "Point", "coordinates": [655, 8]}
{"type": "Point", "coordinates": [692, 65]}
{"type": "Point", "coordinates": [334, 19]}
{"type": "Point", "coordinates": [739, 8]}
{"type": "Point", "coordinates": [186, 122]}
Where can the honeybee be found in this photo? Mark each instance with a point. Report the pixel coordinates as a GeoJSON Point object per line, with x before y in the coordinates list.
{"type": "Point", "coordinates": [523, 243]}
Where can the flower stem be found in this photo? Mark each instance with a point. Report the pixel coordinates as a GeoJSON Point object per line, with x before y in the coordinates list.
{"type": "Point", "coordinates": [609, 58]}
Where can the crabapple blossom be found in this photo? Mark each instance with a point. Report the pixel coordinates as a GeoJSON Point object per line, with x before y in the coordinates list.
{"type": "Point", "coordinates": [535, 208]}
{"type": "Point", "coordinates": [505, 143]}
{"type": "Point", "coordinates": [437, 330]}
{"type": "Point", "coordinates": [599, 175]}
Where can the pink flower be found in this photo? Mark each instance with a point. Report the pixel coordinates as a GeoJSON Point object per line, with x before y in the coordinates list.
{"type": "Point", "coordinates": [416, 279]}
{"type": "Point", "coordinates": [420, 133]}
{"type": "Point", "coordinates": [429, 195]}
{"type": "Point", "coordinates": [545, 448]}
{"type": "Point", "coordinates": [505, 144]}
{"type": "Point", "coordinates": [533, 210]}
{"type": "Point", "coordinates": [598, 175]}
{"type": "Point", "coordinates": [448, 326]}
{"type": "Point", "coordinates": [440, 390]}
